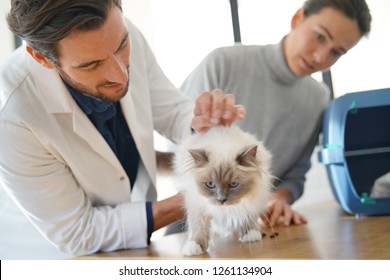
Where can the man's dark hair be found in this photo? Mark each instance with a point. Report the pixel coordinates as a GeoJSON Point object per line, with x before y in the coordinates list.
{"type": "Point", "coordinates": [43, 23]}
{"type": "Point", "coordinates": [353, 9]}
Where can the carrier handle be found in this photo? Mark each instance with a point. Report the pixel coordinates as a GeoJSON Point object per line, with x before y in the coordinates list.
{"type": "Point", "coordinates": [331, 154]}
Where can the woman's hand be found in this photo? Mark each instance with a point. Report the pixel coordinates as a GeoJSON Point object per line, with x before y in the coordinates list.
{"type": "Point", "coordinates": [279, 211]}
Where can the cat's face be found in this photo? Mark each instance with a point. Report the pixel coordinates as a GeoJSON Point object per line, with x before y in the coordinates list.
{"type": "Point", "coordinates": [225, 182]}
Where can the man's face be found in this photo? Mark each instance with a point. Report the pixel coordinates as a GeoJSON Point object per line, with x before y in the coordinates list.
{"type": "Point", "coordinates": [96, 62]}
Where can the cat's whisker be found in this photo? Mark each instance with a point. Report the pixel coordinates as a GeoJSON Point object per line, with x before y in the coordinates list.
{"type": "Point", "coordinates": [254, 220]}
{"type": "Point", "coordinates": [266, 216]}
{"type": "Point", "coordinates": [275, 236]}
{"type": "Point", "coordinates": [186, 167]}
{"type": "Point", "coordinates": [271, 226]}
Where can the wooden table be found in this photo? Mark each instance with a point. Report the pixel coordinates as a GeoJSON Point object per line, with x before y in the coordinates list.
{"type": "Point", "coordinates": [330, 234]}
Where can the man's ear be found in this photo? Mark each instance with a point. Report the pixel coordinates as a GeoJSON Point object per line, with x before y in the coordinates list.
{"type": "Point", "coordinates": [297, 18]}
{"type": "Point", "coordinates": [40, 58]}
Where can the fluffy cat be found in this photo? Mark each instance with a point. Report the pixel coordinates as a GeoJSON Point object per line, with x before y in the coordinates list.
{"type": "Point", "coordinates": [224, 177]}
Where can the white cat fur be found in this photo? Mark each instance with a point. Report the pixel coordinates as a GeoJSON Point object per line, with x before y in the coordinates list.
{"type": "Point", "coordinates": [225, 143]}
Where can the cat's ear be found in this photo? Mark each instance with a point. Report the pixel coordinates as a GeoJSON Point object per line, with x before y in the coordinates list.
{"type": "Point", "coordinates": [248, 156]}
{"type": "Point", "coordinates": [200, 157]}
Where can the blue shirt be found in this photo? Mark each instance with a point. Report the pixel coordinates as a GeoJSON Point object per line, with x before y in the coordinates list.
{"type": "Point", "coordinates": [108, 119]}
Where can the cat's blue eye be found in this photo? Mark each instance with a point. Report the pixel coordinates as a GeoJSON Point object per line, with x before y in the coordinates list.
{"type": "Point", "coordinates": [210, 185]}
{"type": "Point", "coordinates": [234, 185]}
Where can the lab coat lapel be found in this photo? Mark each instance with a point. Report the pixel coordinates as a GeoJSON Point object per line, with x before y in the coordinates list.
{"type": "Point", "coordinates": [141, 128]}
{"type": "Point", "coordinates": [58, 100]}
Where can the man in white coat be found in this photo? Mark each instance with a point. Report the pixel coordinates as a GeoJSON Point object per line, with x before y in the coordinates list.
{"type": "Point", "coordinates": [78, 106]}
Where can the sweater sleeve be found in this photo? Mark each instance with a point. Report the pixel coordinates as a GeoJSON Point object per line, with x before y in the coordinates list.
{"type": "Point", "coordinates": [294, 179]}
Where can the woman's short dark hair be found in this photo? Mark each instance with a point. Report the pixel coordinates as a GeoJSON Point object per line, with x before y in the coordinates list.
{"type": "Point", "coordinates": [43, 23]}
{"type": "Point", "coordinates": [353, 9]}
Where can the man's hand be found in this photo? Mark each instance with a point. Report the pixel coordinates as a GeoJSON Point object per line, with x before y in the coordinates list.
{"type": "Point", "coordinates": [168, 211]}
{"type": "Point", "coordinates": [216, 108]}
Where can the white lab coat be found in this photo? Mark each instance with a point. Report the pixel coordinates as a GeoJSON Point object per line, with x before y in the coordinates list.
{"type": "Point", "coordinates": [60, 171]}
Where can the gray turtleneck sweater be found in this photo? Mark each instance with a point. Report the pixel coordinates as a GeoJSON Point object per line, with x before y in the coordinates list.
{"type": "Point", "coordinates": [283, 110]}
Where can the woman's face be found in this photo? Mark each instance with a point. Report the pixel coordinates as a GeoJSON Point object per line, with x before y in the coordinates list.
{"type": "Point", "coordinates": [316, 42]}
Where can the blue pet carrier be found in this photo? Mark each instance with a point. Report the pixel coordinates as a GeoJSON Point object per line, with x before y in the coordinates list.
{"type": "Point", "coordinates": [356, 151]}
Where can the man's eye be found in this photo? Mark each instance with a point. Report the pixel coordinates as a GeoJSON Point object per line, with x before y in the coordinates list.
{"type": "Point", "coordinates": [124, 44]}
{"type": "Point", "coordinates": [90, 66]}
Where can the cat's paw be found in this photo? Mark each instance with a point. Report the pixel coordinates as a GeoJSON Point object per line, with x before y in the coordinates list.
{"type": "Point", "coordinates": [251, 235]}
{"type": "Point", "coordinates": [191, 248]}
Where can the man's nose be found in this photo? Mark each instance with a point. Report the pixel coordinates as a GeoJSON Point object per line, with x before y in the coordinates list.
{"type": "Point", "coordinates": [117, 71]}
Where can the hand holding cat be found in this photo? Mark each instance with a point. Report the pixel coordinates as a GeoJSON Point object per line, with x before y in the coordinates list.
{"type": "Point", "coordinates": [167, 211]}
{"type": "Point", "coordinates": [216, 108]}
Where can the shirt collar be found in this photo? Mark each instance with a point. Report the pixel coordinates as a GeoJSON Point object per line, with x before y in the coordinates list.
{"type": "Point", "coordinates": [87, 103]}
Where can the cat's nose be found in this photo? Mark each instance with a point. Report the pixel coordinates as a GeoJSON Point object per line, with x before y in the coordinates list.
{"type": "Point", "coordinates": [222, 200]}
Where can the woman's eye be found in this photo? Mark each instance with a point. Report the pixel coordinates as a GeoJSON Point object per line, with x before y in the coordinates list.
{"type": "Point", "coordinates": [234, 185]}
{"type": "Point", "coordinates": [210, 185]}
{"type": "Point", "coordinates": [320, 37]}
{"type": "Point", "coordinates": [336, 53]}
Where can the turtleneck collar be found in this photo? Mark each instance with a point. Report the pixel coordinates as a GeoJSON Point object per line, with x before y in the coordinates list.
{"type": "Point", "coordinates": [276, 61]}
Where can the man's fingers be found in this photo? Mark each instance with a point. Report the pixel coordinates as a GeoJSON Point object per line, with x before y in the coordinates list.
{"type": "Point", "coordinates": [217, 105]}
{"type": "Point", "coordinates": [203, 105]}
{"type": "Point", "coordinates": [216, 108]}
{"type": "Point", "coordinates": [239, 111]}
{"type": "Point", "coordinates": [228, 106]}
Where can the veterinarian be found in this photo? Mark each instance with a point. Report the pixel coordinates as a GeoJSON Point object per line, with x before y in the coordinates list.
{"type": "Point", "coordinates": [284, 103]}
{"type": "Point", "coordinates": [78, 106]}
